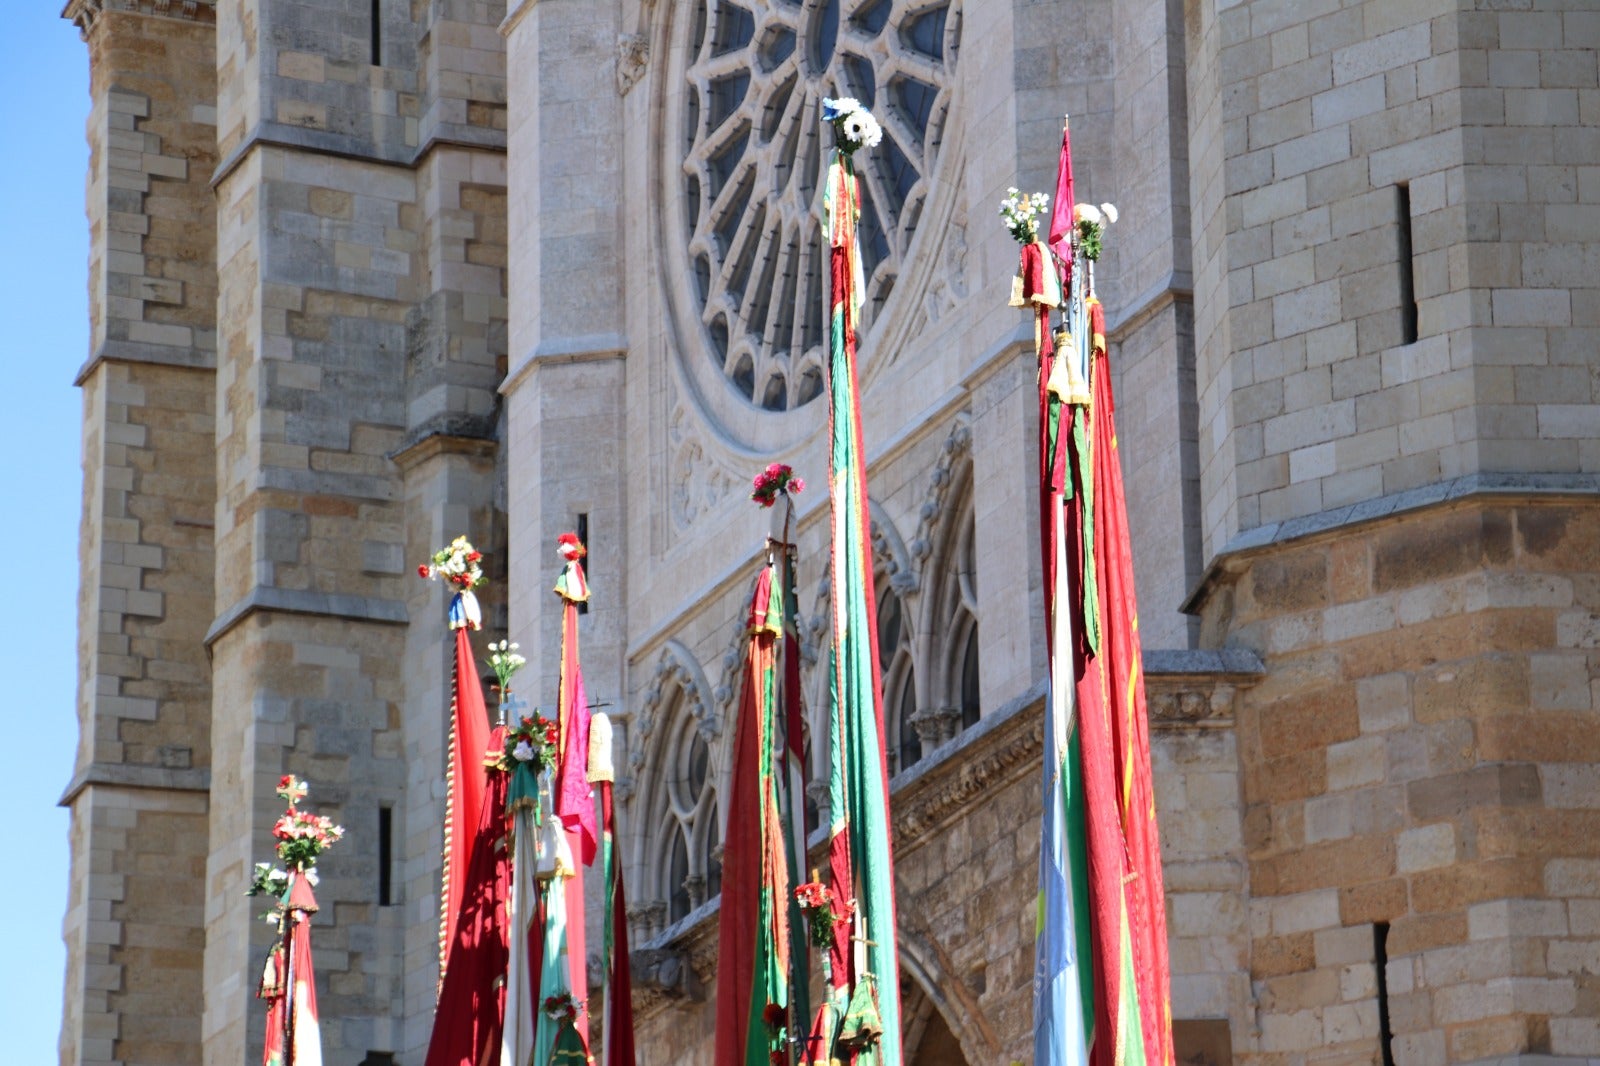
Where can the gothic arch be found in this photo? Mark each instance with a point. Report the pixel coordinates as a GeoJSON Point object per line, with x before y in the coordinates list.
{"type": "Point", "coordinates": [947, 624]}
{"type": "Point", "coordinates": [927, 966]}
{"type": "Point", "coordinates": [678, 760]}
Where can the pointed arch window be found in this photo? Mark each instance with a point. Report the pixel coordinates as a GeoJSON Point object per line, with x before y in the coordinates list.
{"type": "Point", "coordinates": [684, 854]}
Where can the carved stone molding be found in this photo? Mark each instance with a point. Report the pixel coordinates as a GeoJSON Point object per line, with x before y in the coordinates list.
{"type": "Point", "coordinates": [1197, 688]}
{"type": "Point", "coordinates": [676, 667]}
{"type": "Point", "coordinates": [948, 288]}
{"type": "Point", "coordinates": [935, 725]}
{"type": "Point", "coordinates": [1200, 706]}
{"type": "Point", "coordinates": [699, 483]}
{"type": "Point", "coordinates": [84, 13]}
{"type": "Point", "coordinates": [633, 56]}
{"type": "Point", "coordinates": [988, 758]}
{"type": "Point", "coordinates": [956, 446]}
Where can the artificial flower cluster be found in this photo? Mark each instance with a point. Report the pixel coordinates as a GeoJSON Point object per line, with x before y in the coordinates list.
{"type": "Point", "coordinates": [457, 565]}
{"type": "Point", "coordinates": [817, 901]}
{"type": "Point", "coordinates": [301, 835]}
{"type": "Point", "coordinates": [853, 124]}
{"type": "Point", "coordinates": [1091, 222]}
{"type": "Point", "coordinates": [1021, 212]}
{"type": "Point", "coordinates": [776, 478]}
{"type": "Point", "coordinates": [563, 1008]}
{"type": "Point", "coordinates": [505, 660]}
{"type": "Point", "coordinates": [532, 741]}
{"type": "Point", "coordinates": [570, 548]}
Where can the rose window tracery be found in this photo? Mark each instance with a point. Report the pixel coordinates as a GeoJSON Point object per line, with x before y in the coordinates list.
{"type": "Point", "coordinates": [754, 149]}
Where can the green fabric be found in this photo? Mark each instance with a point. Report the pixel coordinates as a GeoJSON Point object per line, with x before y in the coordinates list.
{"type": "Point", "coordinates": [1091, 597]}
{"type": "Point", "coordinates": [857, 788]}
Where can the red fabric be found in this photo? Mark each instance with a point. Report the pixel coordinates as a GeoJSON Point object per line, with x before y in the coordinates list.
{"type": "Point", "coordinates": [469, 739]}
{"type": "Point", "coordinates": [618, 1034]}
{"type": "Point", "coordinates": [574, 794]}
{"type": "Point", "coordinates": [1061, 215]}
{"type": "Point", "coordinates": [1130, 735]}
{"type": "Point", "coordinates": [740, 913]}
{"type": "Point", "coordinates": [470, 1016]}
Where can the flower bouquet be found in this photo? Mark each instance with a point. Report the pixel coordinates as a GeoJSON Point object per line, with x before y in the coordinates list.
{"type": "Point", "coordinates": [1090, 222]}
{"type": "Point", "coordinates": [817, 901]}
{"type": "Point", "coordinates": [853, 125]}
{"type": "Point", "coordinates": [775, 479]}
{"type": "Point", "coordinates": [457, 566]}
{"type": "Point", "coordinates": [1021, 211]}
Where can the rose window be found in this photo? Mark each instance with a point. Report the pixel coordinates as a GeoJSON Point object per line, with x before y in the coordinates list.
{"type": "Point", "coordinates": [757, 71]}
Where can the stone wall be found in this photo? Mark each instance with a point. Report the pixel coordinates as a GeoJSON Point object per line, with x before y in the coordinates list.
{"type": "Point", "coordinates": [1418, 781]}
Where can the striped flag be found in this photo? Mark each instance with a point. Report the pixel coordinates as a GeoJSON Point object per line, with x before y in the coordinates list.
{"type": "Point", "coordinates": [1101, 971]}
{"type": "Point", "coordinates": [1062, 999]}
{"type": "Point", "coordinates": [753, 932]}
{"type": "Point", "coordinates": [1123, 837]}
{"type": "Point", "coordinates": [564, 965]}
{"type": "Point", "coordinates": [863, 965]}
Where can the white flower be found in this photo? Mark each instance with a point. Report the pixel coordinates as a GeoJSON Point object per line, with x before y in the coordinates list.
{"type": "Point", "coordinates": [862, 129]}
{"type": "Point", "coordinates": [837, 109]}
{"type": "Point", "coordinates": [311, 876]}
{"type": "Point", "coordinates": [514, 645]}
{"type": "Point", "coordinates": [1110, 211]}
{"type": "Point", "coordinates": [1086, 213]}
{"type": "Point", "coordinates": [523, 752]}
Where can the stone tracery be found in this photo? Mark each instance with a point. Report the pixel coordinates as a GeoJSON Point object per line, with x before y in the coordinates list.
{"type": "Point", "coordinates": [754, 149]}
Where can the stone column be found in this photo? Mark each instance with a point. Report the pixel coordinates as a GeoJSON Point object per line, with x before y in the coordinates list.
{"type": "Point", "coordinates": [134, 927]}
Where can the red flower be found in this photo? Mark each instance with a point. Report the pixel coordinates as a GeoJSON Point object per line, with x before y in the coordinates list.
{"type": "Point", "coordinates": [473, 557]}
{"type": "Point", "coordinates": [422, 570]}
{"type": "Point", "coordinates": [550, 735]}
{"type": "Point", "coordinates": [774, 1016]}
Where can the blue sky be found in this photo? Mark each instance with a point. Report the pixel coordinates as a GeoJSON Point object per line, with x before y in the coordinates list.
{"type": "Point", "coordinates": [43, 340]}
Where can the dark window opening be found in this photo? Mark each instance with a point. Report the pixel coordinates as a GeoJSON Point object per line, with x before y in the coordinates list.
{"type": "Point", "coordinates": [1408, 287]}
{"type": "Point", "coordinates": [1380, 960]}
{"type": "Point", "coordinates": [377, 33]}
{"type": "Point", "coordinates": [588, 559]}
{"type": "Point", "coordinates": [385, 856]}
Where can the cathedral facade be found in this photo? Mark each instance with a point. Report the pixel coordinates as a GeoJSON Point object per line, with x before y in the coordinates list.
{"type": "Point", "coordinates": [369, 274]}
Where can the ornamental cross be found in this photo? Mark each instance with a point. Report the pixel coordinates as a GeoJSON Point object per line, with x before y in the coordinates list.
{"type": "Point", "coordinates": [511, 707]}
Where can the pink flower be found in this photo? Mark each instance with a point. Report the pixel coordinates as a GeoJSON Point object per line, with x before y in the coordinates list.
{"type": "Point", "coordinates": [796, 485]}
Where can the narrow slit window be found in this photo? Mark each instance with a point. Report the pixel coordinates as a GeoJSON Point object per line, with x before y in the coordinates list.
{"type": "Point", "coordinates": [1408, 287]}
{"type": "Point", "coordinates": [385, 856]}
{"type": "Point", "coordinates": [1380, 961]}
{"type": "Point", "coordinates": [377, 33]}
{"type": "Point", "coordinates": [588, 560]}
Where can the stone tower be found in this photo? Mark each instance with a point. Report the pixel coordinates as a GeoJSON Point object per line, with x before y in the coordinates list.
{"type": "Point", "coordinates": [299, 300]}
{"type": "Point", "coordinates": [368, 274]}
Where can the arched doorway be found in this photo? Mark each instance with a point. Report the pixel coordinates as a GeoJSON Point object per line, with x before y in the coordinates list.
{"type": "Point", "coordinates": [929, 1041]}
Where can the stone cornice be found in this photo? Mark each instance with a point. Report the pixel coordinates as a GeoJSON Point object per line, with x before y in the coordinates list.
{"type": "Point", "coordinates": [85, 13]}
{"type": "Point", "coordinates": [1484, 488]}
{"type": "Point", "coordinates": [123, 776]}
{"type": "Point", "coordinates": [301, 601]}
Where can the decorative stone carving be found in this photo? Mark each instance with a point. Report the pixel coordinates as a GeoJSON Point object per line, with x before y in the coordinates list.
{"type": "Point", "coordinates": [1000, 754]}
{"type": "Point", "coordinates": [950, 287]}
{"type": "Point", "coordinates": [633, 56]}
{"type": "Point", "coordinates": [889, 550]}
{"type": "Point", "coordinates": [84, 13]}
{"type": "Point", "coordinates": [1197, 705]}
{"type": "Point", "coordinates": [676, 666]}
{"type": "Point", "coordinates": [935, 725]}
{"type": "Point", "coordinates": [698, 482]}
{"type": "Point", "coordinates": [956, 446]}
{"type": "Point", "coordinates": [662, 976]}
